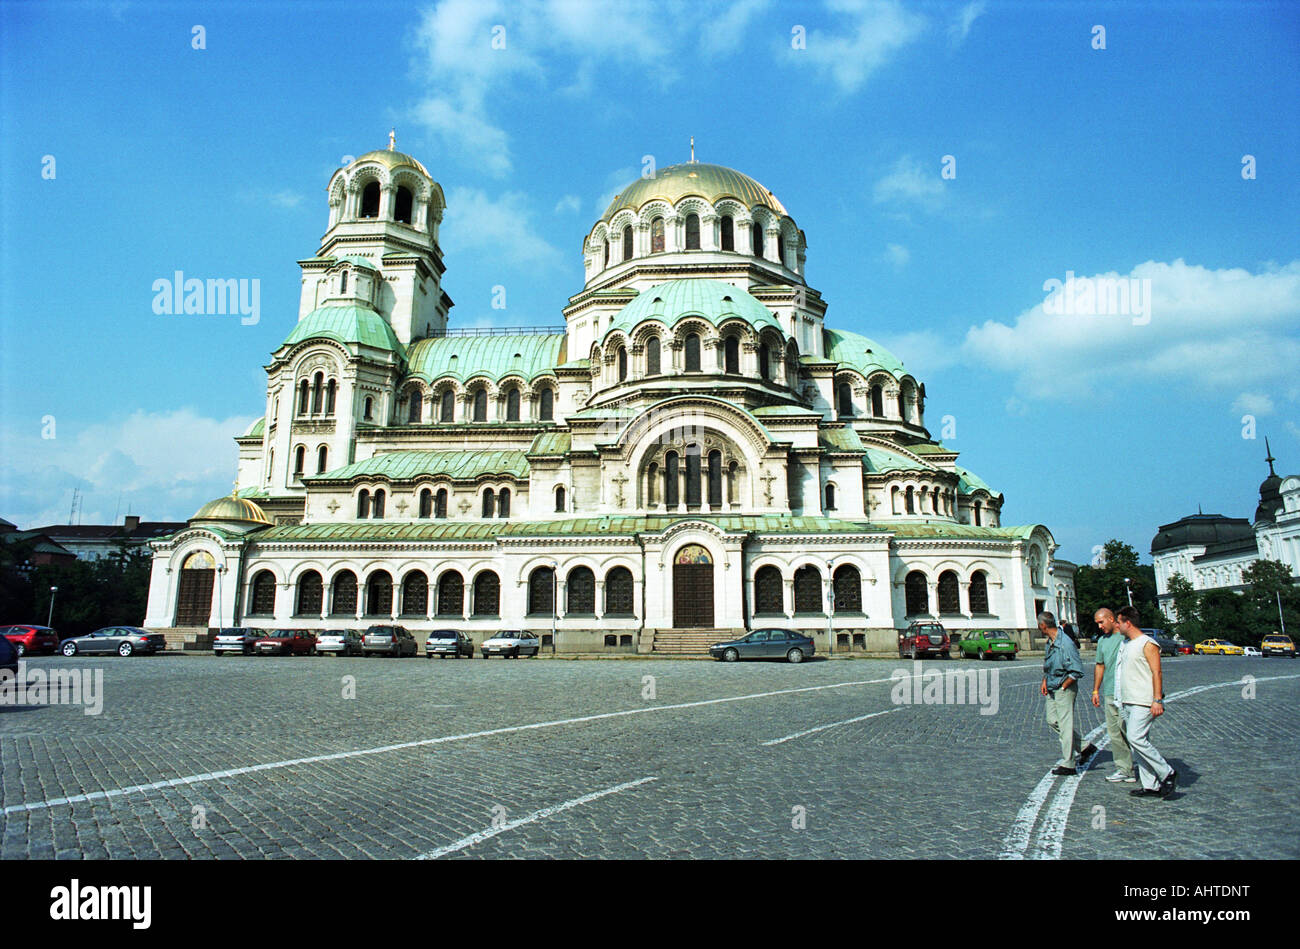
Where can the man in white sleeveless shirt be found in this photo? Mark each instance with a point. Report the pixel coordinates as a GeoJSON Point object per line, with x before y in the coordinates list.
{"type": "Point", "coordinates": [1139, 689]}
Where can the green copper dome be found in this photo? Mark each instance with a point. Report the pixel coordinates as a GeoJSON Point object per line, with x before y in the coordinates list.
{"type": "Point", "coordinates": [350, 324]}
{"type": "Point", "coordinates": [711, 182]}
{"type": "Point", "coordinates": [858, 352]}
{"type": "Point", "coordinates": [714, 300]}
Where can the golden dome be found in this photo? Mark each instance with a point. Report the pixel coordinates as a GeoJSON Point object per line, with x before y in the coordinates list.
{"type": "Point", "coordinates": [711, 182]}
{"type": "Point", "coordinates": [392, 159]}
{"type": "Point", "coordinates": [232, 508]}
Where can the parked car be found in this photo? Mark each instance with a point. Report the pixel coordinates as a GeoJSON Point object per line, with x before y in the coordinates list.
{"type": "Point", "coordinates": [388, 641]}
{"type": "Point", "coordinates": [448, 642]}
{"type": "Point", "coordinates": [1276, 644]}
{"type": "Point", "coordinates": [286, 642]}
{"type": "Point", "coordinates": [1252, 651]}
{"type": "Point", "coordinates": [8, 656]}
{"type": "Point", "coordinates": [765, 644]}
{"type": "Point", "coordinates": [924, 639]}
{"type": "Point", "coordinates": [27, 639]}
{"type": "Point", "coordinates": [1218, 646]}
{"type": "Point", "coordinates": [338, 642]}
{"type": "Point", "coordinates": [987, 644]}
{"type": "Point", "coordinates": [511, 643]}
{"type": "Point", "coordinates": [1167, 646]}
{"type": "Point", "coordinates": [240, 639]}
{"type": "Point", "coordinates": [123, 640]}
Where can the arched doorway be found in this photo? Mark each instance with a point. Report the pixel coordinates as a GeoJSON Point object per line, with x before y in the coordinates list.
{"type": "Point", "coordinates": [693, 588]}
{"type": "Point", "coordinates": [194, 593]}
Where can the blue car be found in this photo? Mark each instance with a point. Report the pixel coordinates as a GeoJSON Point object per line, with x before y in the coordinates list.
{"type": "Point", "coordinates": [765, 644]}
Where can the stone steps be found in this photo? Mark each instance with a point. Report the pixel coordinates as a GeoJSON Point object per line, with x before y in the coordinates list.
{"type": "Point", "coordinates": [690, 642]}
{"type": "Point", "coordinates": [186, 638]}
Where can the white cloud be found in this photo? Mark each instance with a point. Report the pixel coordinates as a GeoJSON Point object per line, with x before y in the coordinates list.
{"type": "Point", "coordinates": [615, 182]}
{"type": "Point", "coordinates": [467, 130]}
{"type": "Point", "coordinates": [285, 199]}
{"type": "Point", "coordinates": [163, 466]}
{"type": "Point", "coordinates": [897, 255]}
{"type": "Point", "coordinates": [1253, 403]}
{"type": "Point", "coordinates": [569, 204]}
{"type": "Point", "coordinates": [909, 183]}
{"type": "Point", "coordinates": [502, 227]}
{"type": "Point", "coordinates": [872, 33]}
{"type": "Point", "coordinates": [923, 352]}
{"type": "Point", "coordinates": [1207, 330]}
{"type": "Point", "coordinates": [960, 26]}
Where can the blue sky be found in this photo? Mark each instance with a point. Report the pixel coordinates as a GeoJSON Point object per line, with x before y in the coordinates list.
{"type": "Point", "coordinates": [1123, 161]}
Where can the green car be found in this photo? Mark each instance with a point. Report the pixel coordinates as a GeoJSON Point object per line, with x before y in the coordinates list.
{"type": "Point", "coordinates": [988, 644]}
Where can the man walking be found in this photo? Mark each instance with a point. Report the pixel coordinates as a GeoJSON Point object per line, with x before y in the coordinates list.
{"type": "Point", "coordinates": [1139, 689]}
{"type": "Point", "coordinates": [1103, 694]}
{"type": "Point", "coordinates": [1062, 670]}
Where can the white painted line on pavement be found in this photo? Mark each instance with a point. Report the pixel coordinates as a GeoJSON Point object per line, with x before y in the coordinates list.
{"type": "Point", "coordinates": [819, 728]}
{"type": "Point", "coordinates": [544, 813]}
{"type": "Point", "coordinates": [1052, 830]}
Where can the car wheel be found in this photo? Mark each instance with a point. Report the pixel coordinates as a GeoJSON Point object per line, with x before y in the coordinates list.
{"type": "Point", "coordinates": [730, 655]}
{"type": "Point", "coordinates": [794, 655]}
{"type": "Point", "coordinates": [979, 654]}
{"type": "Point", "coordinates": [20, 649]}
{"type": "Point", "coordinates": [914, 654]}
{"type": "Point", "coordinates": [69, 649]}
{"type": "Point", "coordinates": [125, 649]}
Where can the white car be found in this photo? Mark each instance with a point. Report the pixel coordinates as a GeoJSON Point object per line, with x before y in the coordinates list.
{"type": "Point", "coordinates": [511, 643]}
{"type": "Point", "coordinates": [1252, 651]}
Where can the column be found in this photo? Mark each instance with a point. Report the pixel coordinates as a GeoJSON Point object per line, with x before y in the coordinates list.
{"type": "Point", "coordinates": [600, 599]}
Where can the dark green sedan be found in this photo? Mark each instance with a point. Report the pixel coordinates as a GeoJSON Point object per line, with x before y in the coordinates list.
{"type": "Point", "coordinates": [765, 644]}
{"type": "Point", "coordinates": [988, 644]}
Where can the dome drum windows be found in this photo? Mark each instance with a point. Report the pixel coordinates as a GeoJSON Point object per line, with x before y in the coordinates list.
{"type": "Point", "coordinates": [370, 200]}
{"type": "Point", "coordinates": [684, 475]}
{"type": "Point", "coordinates": [692, 231]}
{"type": "Point", "coordinates": [657, 236]}
{"type": "Point", "coordinates": [728, 232]}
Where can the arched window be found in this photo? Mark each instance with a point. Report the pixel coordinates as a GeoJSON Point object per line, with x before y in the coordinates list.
{"type": "Point", "coordinates": [311, 589]}
{"type": "Point", "coordinates": [846, 400]}
{"type": "Point", "coordinates": [909, 501]}
{"type": "Point", "coordinates": [263, 598]}
{"type": "Point", "coordinates": [417, 406]}
{"type": "Point", "coordinates": [715, 479]}
{"type": "Point", "coordinates": [302, 397]}
{"type": "Point", "coordinates": [370, 200]}
{"type": "Point", "coordinates": [977, 513]}
{"type": "Point", "coordinates": [877, 402]}
{"type": "Point", "coordinates": [447, 406]}
{"type": "Point", "coordinates": [764, 370]}
{"type": "Point", "coordinates": [652, 356]}
{"type": "Point", "coordinates": [541, 592]}
{"type": "Point", "coordinates": [322, 454]}
{"type": "Point", "coordinates": [480, 405]}
{"type": "Point", "coordinates": [503, 503]}
{"type": "Point", "coordinates": [581, 588]}
{"type": "Point", "coordinates": [847, 589]}
{"type": "Point", "coordinates": [652, 491]}
{"type": "Point", "coordinates": [949, 594]}
{"type": "Point", "coordinates": [732, 483]}
{"type": "Point", "coordinates": [546, 410]}
{"type": "Point", "coordinates": [657, 236]}
{"type": "Point", "coordinates": [606, 262]}
{"type": "Point", "coordinates": [618, 592]}
{"type": "Point", "coordinates": [377, 506]}
{"type": "Point", "coordinates": [728, 233]}
{"type": "Point", "coordinates": [487, 594]}
{"type": "Point", "coordinates": [559, 500]}
{"type": "Point", "coordinates": [489, 503]}
{"type": "Point", "coordinates": [512, 405]}
{"type": "Point", "coordinates": [917, 593]}
{"type": "Point", "coordinates": [627, 242]}
{"type": "Point", "coordinates": [731, 355]}
{"type": "Point", "coordinates": [415, 594]}
{"type": "Point", "coordinates": [757, 230]}
{"type": "Point", "coordinates": [343, 599]}
{"type": "Point", "coordinates": [451, 594]}
{"type": "Point", "coordinates": [671, 497]}
{"type": "Point", "coordinates": [343, 281]}
{"type": "Point", "coordinates": [379, 594]}
{"type": "Point", "coordinates": [402, 206]}
{"type": "Point", "coordinates": [622, 364]}
{"type": "Point", "coordinates": [692, 475]}
{"type": "Point", "coordinates": [830, 497]}
{"type": "Point", "coordinates": [440, 503]}
{"type": "Point", "coordinates": [979, 594]}
{"type": "Point", "coordinates": [299, 459]}
{"type": "Point", "coordinates": [331, 390]}
{"type": "Point", "coordinates": [426, 502]}
{"type": "Point", "coordinates": [769, 592]}
{"type": "Point", "coordinates": [692, 353]}
{"type": "Point", "coordinates": [902, 406]}
{"type": "Point", "coordinates": [780, 248]}
{"type": "Point", "coordinates": [807, 590]}
{"type": "Point", "coordinates": [692, 231]}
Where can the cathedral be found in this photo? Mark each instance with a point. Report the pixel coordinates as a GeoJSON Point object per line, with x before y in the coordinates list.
{"type": "Point", "coordinates": [692, 453]}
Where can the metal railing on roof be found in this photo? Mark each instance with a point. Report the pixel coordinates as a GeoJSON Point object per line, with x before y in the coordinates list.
{"type": "Point", "coordinates": [499, 331]}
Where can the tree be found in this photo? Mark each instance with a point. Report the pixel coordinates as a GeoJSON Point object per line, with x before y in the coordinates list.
{"type": "Point", "coordinates": [1187, 607]}
{"type": "Point", "coordinates": [1269, 590]}
{"type": "Point", "coordinates": [1102, 585]}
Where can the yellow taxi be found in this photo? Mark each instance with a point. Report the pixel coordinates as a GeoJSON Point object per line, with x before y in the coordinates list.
{"type": "Point", "coordinates": [1276, 644]}
{"type": "Point", "coordinates": [1218, 646]}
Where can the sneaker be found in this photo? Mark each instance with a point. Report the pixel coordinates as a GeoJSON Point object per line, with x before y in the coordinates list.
{"type": "Point", "coordinates": [1168, 784]}
{"type": "Point", "coordinates": [1146, 792]}
{"type": "Point", "coordinates": [1121, 776]}
{"type": "Point", "coordinates": [1059, 771]}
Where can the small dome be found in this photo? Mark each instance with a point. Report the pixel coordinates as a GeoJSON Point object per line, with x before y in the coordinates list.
{"type": "Point", "coordinates": [860, 353]}
{"type": "Point", "coordinates": [231, 508]}
{"type": "Point", "coordinates": [711, 182]}
{"type": "Point", "coordinates": [392, 159]}
{"type": "Point", "coordinates": [346, 324]}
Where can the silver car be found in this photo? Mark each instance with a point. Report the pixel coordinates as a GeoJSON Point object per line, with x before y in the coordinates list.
{"type": "Point", "coordinates": [388, 641]}
{"type": "Point", "coordinates": [448, 642]}
{"type": "Point", "coordinates": [338, 642]}
{"type": "Point", "coordinates": [511, 644]}
{"type": "Point", "coordinates": [238, 639]}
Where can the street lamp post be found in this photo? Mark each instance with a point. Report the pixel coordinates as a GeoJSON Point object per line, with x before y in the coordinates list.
{"type": "Point", "coordinates": [1128, 588]}
{"type": "Point", "coordinates": [49, 620]}
{"type": "Point", "coordinates": [830, 606]}
{"type": "Point", "coordinates": [555, 601]}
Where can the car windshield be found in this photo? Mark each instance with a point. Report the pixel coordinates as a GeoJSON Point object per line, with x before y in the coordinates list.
{"type": "Point", "coordinates": [930, 630]}
{"type": "Point", "coordinates": [996, 634]}
{"type": "Point", "coordinates": [443, 634]}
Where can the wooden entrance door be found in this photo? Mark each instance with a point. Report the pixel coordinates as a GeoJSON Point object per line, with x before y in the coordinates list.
{"type": "Point", "coordinates": [194, 598]}
{"type": "Point", "coordinates": [693, 588]}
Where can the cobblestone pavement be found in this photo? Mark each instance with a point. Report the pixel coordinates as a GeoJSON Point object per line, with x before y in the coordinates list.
{"type": "Point", "coordinates": [256, 757]}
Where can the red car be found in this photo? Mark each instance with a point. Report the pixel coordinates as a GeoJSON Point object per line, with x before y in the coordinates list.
{"type": "Point", "coordinates": [922, 639]}
{"type": "Point", "coordinates": [286, 642]}
{"type": "Point", "coordinates": [26, 639]}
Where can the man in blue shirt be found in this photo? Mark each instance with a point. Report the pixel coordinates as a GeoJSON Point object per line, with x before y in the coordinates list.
{"type": "Point", "coordinates": [1062, 670]}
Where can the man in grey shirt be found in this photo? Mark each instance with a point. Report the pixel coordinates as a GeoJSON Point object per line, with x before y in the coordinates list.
{"type": "Point", "coordinates": [1103, 695]}
{"type": "Point", "coordinates": [1062, 670]}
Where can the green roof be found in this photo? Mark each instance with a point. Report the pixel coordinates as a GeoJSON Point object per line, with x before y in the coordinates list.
{"type": "Point", "coordinates": [527, 355]}
{"type": "Point", "coordinates": [942, 530]}
{"type": "Point", "coordinates": [409, 465]}
{"type": "Point", "coordinates": [880, 460]}
{"type": "Point", "coordinates": [971, 482]}
{"type": "Point", "coordinates": [253, 494]}
{"type": "Point", "coordinates": [358, 261]}
{"type": "Point", "coordinates": [551, 443]}
{"type": "Point", "coordinates": [784, 409]}
{"type": "Point", "coordinates": [840, 439]}
{"type": "Point", "coordinates": [858, 352]}
{"type": "Point", "coordinates": [255, 430]}
{"type": "Point", "coordinates": [714, 300]}
{"type": "Point", "coordinates": [929, 448]}
{"type": "Point", "coordinates": [348, 324]}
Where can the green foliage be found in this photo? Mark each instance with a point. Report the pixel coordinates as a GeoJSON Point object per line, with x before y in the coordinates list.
{"type": "Point", "coordinates": [107, 592]}
{"type": "Point", "coordinates": [1243, 617]}
{"type": "Point", "coordinates": [1102, 585]}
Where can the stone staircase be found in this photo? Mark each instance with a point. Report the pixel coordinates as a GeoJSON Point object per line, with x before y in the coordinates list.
{"type": "Point", "coordinates": [186, 638]}
{"type": "Point", "coordinates": [690, 642]}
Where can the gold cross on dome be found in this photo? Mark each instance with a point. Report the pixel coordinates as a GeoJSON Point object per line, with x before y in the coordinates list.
{"type": "Point", "coordinates": [692, 149]}
{"type": "Point", "coordinates": [392, 139]}
{"type": "Point", "coordinates": [234, 490]}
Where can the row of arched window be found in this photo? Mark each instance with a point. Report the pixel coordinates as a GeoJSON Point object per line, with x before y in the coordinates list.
{"type": "Point", "coordinates": [317, 397]}
{"type": "Point", "coordinates": [478, 405]}
{"type": "Point", "coordinates": [769, 591]}
{"type": "Point", "coordinates": [403, 203]}
{"type": "Point", "coordinates": [434, 503]}
{"type": "Point", "coordinates": [941, 502]}
{"type": "Point", "coordinates": [726, 236]}
{"type": "Point", "coordinates": [876, 402]}
{"type": "Point", "coordinates": [917, 591]}
{"type": "Point", "coordinates": [704, 477]}
{"type": "Point", "coordinates": [300, 460]}
{"type": "Point", "coordinates": [692, 357]}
